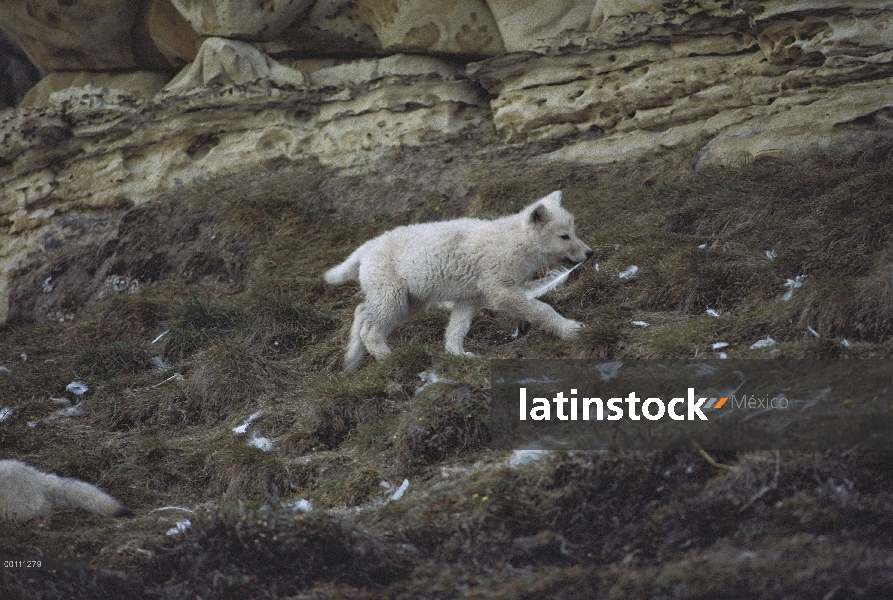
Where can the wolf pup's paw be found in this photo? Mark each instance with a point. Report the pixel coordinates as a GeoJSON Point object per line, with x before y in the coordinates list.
{"type": "Point", "coordinates": [570, 329]}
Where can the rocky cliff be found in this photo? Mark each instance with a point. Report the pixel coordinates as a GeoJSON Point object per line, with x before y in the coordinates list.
{"type": "Point", "coordinates": [142, 97]}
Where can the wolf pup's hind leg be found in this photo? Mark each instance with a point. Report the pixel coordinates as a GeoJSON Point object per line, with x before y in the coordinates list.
{"type": "Point", "coordinates": [355, 348]}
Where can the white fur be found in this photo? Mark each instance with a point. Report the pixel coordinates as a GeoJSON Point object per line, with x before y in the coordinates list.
{"type": "Point", "coordinates": [26, 493]}
{"type": "Point", "coordinates": [465, 264]}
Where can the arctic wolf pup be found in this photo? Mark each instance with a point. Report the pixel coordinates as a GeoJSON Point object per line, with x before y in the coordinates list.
{"type": "Point", "coordinates": [26, 493]}
{"type": "Point", "coordinates": [466, 264]}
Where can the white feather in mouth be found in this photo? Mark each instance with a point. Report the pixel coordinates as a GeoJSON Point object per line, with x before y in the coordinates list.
{"type": "Point", "coordinates": [547, 283]}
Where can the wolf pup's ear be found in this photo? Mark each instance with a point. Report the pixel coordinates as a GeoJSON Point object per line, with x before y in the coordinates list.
{"type": "Point", "coordinates": [540, 215]}
{"type": "Point", "coordinates": [553, 198]}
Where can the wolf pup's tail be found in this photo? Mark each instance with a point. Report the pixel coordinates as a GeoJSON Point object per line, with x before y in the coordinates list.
{"type": "Point", "coordinates": [349, 269]}
{"type": "Point", "coordinates": [65, 491]}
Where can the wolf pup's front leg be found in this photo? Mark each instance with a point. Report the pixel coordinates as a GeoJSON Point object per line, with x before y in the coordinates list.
{"type": "Point", "coordinates": [457, 328]}
{"type": "Point", "coordinates": [514, 302]}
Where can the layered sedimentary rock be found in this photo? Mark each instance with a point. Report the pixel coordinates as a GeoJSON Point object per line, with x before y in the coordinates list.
{"type": "Point", "coordinates": [90, 151]}
{"type": "Point", "coordinates": [68, 36]}
{"type": "Point", "coordinates": [138, 98]}
{"type": "Point", "coordinates": [459, 27]}
{"type": "Point", "coordinates": [757, 78]}
{"type": "Point", "coordinates": [241, 19]}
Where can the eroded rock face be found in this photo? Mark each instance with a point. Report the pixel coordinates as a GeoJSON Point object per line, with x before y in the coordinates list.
{"type": "Point", "coordinates": [600, 80]}
{"type": "Point", "coordinates": [460, 27]}
{"type": "Point", "coordinates": [71, 36]}
{"type": "Point", "coordinates": [331, 28]}
{"type": "Point", "coordinates": [748, 75]}
{"type": "Point", "coordinates": [535, 25]}
{"type": "Point", "coordinates": [140, 84]}
{"type": "Point", "coordinates": [91, 151]}
{"type": "Point", "coordinates": [241, 19]}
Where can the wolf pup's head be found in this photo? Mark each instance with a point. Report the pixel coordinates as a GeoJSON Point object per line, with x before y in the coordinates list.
{"type": "Point", "coordinates": [554, 229]}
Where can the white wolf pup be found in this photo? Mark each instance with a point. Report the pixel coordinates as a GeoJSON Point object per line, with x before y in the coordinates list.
{"type": "Point", "coordinates": [466, 264]}
{"type": "Point", "coordinates": [26, 493]}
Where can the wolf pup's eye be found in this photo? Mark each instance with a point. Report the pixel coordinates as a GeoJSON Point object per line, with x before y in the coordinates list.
{"type": "Point", "coordinates": [565, 237]}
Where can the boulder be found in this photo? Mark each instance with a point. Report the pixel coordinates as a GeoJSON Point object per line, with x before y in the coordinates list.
{"type": "Point", "coordinates": [458, 27]}
{"type": "Point", "coordinates": [240, 19]}
{"type": "Point", "coordinates": [331, 28]}
{"type": "Point", "coordinates": [89, 35]}
{"type": "Point", "coordinates": [165, 38]}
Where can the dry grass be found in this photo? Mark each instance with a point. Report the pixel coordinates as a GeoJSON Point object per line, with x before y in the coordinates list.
{"type": "Point", "coordinates": [231, 269]}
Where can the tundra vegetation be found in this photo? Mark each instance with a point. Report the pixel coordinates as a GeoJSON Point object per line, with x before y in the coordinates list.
{"type": "Point", "coordinates": [231, 268]}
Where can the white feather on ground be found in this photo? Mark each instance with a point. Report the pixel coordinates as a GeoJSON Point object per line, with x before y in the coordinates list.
{"type": "Point", "coordinates": [78, 388]}
{"type": "Point", "coordinates": [189, 510]}
{"type": "Point", "coordinates": [628, 272]}
{"type": "Point", "coordinates": [400, 491]}
{"type": "Point", "coordinates": [302, 505]}
{"type": "Point", "coordinates": [260, 443]}
{"type": "Point", "coordinates": [247, 423]}
{"type": "Point", "coordinates": [763, 343]}
{"type": "Point", "coordinates": [522, 457]}
{"type": "Point", "coordinates": [548, 282]}
{"type": "Point", "coordinates": [180, 527]}
{"type": "Point", "coordinates": [792, 284]}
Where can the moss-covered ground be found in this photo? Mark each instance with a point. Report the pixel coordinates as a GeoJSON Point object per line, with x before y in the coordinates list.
{"type": "Point", "coordinates": [231, 270]}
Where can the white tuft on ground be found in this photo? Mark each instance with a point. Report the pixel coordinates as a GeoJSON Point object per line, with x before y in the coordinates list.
{"type": "Point", "coordinates": [628, 272]}
{"type": "Point", "coordinates": [792, 284]}
{"type": "Point", "coordinates": [430, 378]}
{"type": "Point", "coordinates": [78, 388]}
{"type": "Point", "coordinates": [764, 343]}
{"type": "Point", "coordinates": [523, 457]}
{"type": "Point", "coordinates": [71, 411]}
{"type": "Point", "coordinates": [180, 527]}
{"type": "Point", "coordinates": [720, 345]}
{"type": "Point", "coordinates": [640, 323]}
{"type": "Point", "coordinates": [608, 371]}
{"type": "Point", "coordinates": [247, 423]}
{"type": "Point", "coordinates": [261, 443]}
{"type": "Point", "coordinates": [302, 505]}
{"type": "Point", "coordinates": [160, 364]}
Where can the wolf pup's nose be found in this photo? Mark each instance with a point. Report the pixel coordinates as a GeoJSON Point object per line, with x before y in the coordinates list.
{"type": "Point", "coordinates": [589, 254]}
